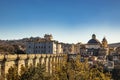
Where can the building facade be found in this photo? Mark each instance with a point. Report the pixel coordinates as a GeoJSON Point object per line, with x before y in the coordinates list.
{"type": "Point", "coordinates": [95, 48]}
{"type": "Point", "coordinates": [47, 45]}
{"type": "Point", "coordinates": [44, 45]}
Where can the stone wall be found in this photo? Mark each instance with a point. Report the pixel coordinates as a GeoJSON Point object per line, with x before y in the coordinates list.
{"type": "Point", "coordinates": [6, 61]}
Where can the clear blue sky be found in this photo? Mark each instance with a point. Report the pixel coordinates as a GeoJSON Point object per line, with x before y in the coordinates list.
{"type": "Point", "coordinates": [69, 21]}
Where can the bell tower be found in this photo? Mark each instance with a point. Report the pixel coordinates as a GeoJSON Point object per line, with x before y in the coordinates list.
{"type": "Point", "coordinates": [104, 43]}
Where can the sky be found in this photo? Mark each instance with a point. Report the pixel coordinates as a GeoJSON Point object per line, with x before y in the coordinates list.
{"type": "Point", "coordinates": [69, 21]}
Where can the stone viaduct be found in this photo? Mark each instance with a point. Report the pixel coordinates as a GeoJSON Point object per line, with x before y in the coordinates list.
{"type": "Point", "coordinates": [6, 61]}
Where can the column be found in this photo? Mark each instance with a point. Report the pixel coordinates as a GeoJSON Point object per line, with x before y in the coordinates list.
{"type": "Point", "coordinates": [47, 64]}
{"type": "Point", "coordinates": [51, 62]}
{"type": "Point", "coordinates": [37, 59]}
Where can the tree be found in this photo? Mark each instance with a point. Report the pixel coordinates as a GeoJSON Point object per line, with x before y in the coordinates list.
{"type": "Point", "coordinates": [76, 70]}
{"type": "Point", "coordinates": [34, 73]}
{"type": "Point", "coordinates": [12, 73]}
{"type": "Point", "coordinates": [28, 73]}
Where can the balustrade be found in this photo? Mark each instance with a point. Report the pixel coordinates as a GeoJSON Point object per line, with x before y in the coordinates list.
{"type": "Point", "coordinates": [50, 60]}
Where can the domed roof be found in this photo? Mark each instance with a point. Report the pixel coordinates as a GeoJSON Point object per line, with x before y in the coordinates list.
{"type": "Point", "coordinates": [93, 40]}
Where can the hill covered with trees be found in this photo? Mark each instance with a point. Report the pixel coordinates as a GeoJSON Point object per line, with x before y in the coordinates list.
{"type": "Point", "coordinates": [114, 45]}
{"type": "Point", "coordinates": [14, 46]}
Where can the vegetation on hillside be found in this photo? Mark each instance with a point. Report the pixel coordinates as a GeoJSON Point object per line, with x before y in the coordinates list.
{"type": "Point", "coordinates": [12, 46]}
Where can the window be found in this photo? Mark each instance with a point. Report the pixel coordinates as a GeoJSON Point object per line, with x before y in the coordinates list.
{"type": "Point", "coordinates": [49, 46]}
{"type": "Point", "coordinates": [44, 51]}
{"type": "Point", "coordinates": [49, 51]}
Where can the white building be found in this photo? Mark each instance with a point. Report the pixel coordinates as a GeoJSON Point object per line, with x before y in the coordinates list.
{"type": "Point", "coordinates": [43, 46]}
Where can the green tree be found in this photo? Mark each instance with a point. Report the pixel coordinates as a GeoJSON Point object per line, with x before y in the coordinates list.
{"type": "Point", "coordinates": [12, 73]}
{"type": "Point", "coordinates": [28, 73]}
{"type": "Point", "coordinates": [34, 73]}
{"type": "Point", "coordinates": [76, 70]}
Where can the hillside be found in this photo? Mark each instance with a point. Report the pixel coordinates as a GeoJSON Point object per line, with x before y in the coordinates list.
{"type": "Point", "coordinates": [114, 45]}
{"type": "Point", "coordinates": [13, 46]}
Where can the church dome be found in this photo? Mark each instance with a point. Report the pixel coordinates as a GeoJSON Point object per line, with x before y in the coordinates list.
{"type": "Point", "coordinates": [93, 40]}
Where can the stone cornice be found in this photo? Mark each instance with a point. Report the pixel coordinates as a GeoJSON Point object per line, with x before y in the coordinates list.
{"type": "Point", "coordinates": [1, 57]}
{"type": "Point", "coordinates": [22, 56]}
{"type": "Point", "coordinates": [10, 57]}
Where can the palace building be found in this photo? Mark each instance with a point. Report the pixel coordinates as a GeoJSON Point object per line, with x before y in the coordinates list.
{"type": "Point", "coordinates": [43, 45]}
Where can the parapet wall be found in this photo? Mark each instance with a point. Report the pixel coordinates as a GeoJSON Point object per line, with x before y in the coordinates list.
{"type": "Point", "coordinates": [6, 61]}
